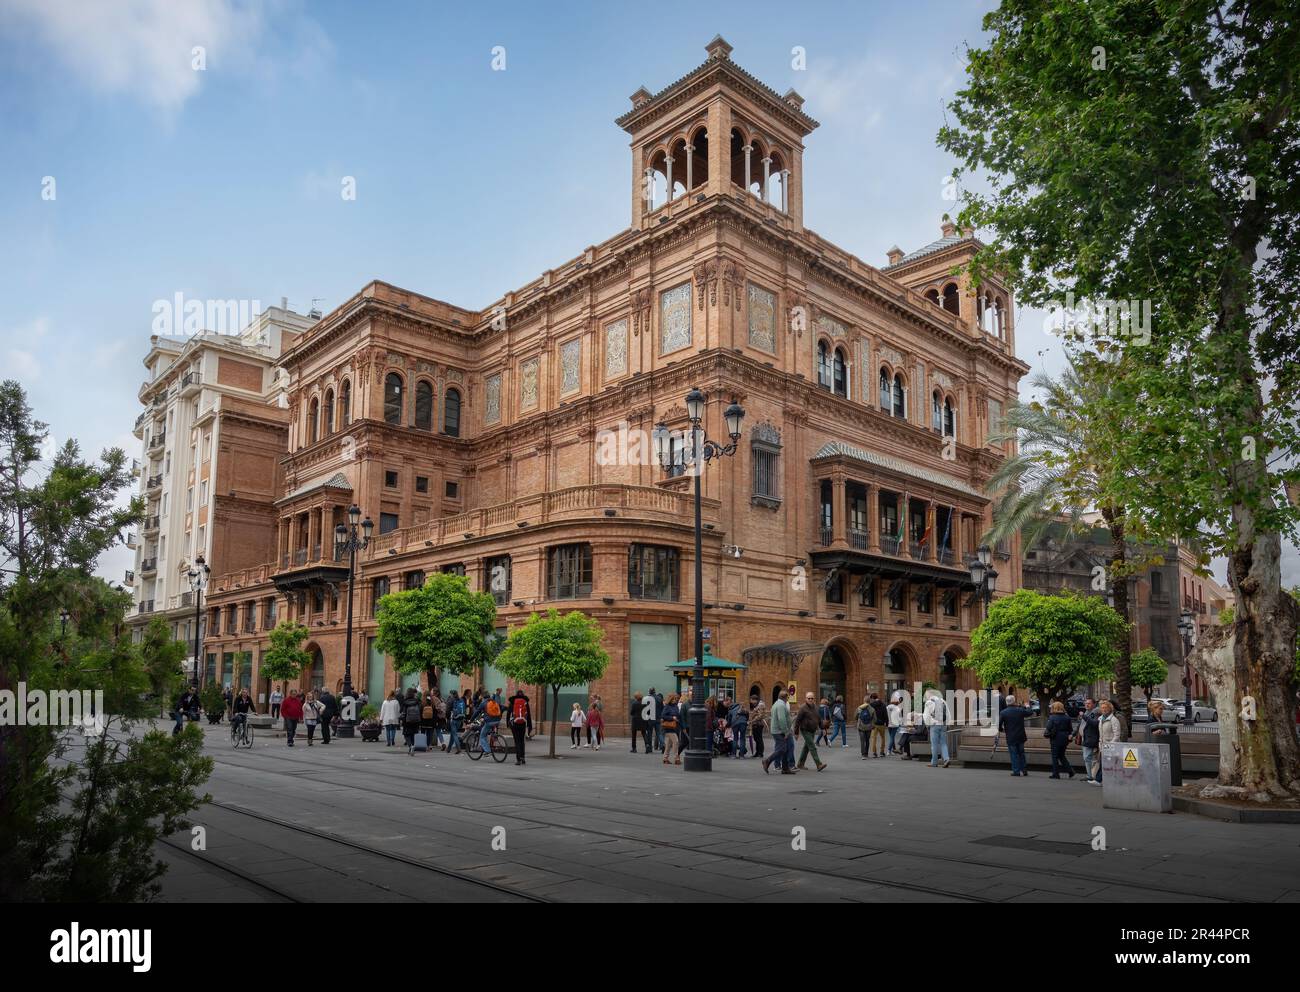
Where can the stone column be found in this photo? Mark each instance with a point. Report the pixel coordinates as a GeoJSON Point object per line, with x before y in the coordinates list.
{"type": "Point", "coordinates": [931, 522]}
{"type": "Point", "coordinates": [669, 160]}
{"type": "Point", "coordinates": [767, 173]}
{"type": "Point", "coordinates": [690, 167]}
{"type": "Point", "coordinates": [956, 538]}
{"type": "Point", "coordinates": [873, 518]}
{"type": "Point", "coordinates": [748, 150]}
{"type": "Point", "coordinates": [785, 191]}
{"type": "Point", "coordinates": [839, 532]}
{"type": "Point", "coordinates": [905, 525]}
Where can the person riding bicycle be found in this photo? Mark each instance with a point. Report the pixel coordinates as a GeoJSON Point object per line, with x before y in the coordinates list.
{"type": "Point", "coordinates": [491, 717]}
{"type": "Point", "coordinates": [243, 705]}
{"type": "Point", "coordinates": [186, 706]}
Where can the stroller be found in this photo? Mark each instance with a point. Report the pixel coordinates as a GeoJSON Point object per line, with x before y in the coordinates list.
{"type": "Point", "coordinates": [723, 742]}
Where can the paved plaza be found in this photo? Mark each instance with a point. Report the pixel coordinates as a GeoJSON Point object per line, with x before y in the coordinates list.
{"type": "Point", "coordinates": [365, 823]}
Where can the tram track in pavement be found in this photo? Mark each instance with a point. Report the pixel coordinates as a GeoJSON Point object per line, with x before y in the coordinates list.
{"type": "Point", "coordinates": [224, 867]}
{"type": "Point", "coordinates": [659, 816]}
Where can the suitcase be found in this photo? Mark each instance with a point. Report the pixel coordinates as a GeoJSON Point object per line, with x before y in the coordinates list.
{"type": "Point", "coordinates": [421, 742]}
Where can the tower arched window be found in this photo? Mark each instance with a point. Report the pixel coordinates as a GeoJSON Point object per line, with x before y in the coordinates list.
{"type": "Point", "coordinates": [840, 373]}
{"type": "Point", "coordinates": [884, 389]}
{"type": "Point", "coordinates": [345, 403]}
{"type": "Point", "coordinates": [936, 411]}
{"type": "Point", "coordinates": [451, 413]}
{"type": "Point", "coordinates": [900, 396]}
{"type": "Point", "coordinates": [393, 398]}
{"type": "Point", "coordinates": [329, 413]}
{"type": "Point", "coordinates": [949, 418]}
{"type": "Point", "coordinates": [423, 406]}
{"type": "Point", "coordinates": [699, 174]}
{"type": "Point", "coordinates": [933, 296]}
{"type": "Point", "coordinates": [951, 302]}
{"type": "Point", "coordinates": [825, 375]}
{"type": "Point", "coordinates": [313, 422]}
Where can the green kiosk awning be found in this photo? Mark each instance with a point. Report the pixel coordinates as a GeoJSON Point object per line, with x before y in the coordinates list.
{"type": "Point", "coordinates": [713, 667]}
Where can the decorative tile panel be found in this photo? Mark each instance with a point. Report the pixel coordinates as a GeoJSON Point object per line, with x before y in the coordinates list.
{"type": "Point", "coordinates": [492, 392]}
{"type": "Point", "coordinates": [528, 383]}
{"type": "Point", "coordinates": [616, 348]}
{"type": "Point", "coordinates": [675, 318]}
{"type": "Point", "coordinates": [762, 318]}
{"type": "Point", "coordinates": [570, 366]}
{"type": "Point", "coordinates": [829, 326]}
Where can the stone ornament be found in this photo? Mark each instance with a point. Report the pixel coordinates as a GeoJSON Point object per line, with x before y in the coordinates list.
{"type": "Point", "coordinates": [528, 375]}
{"type": "Point", "coordinates": [616, 348]}
{"type": "Point", "coordinates": [492, 394]}
{"type": "Point", "coordinates": [675, 318]}
{"type": "Point", "coordinates": [762, 318]}
{"type": "Point", "coordinates": [570, 366]}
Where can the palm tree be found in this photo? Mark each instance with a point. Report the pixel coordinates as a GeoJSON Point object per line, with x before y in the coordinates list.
{"type": "Point", "coordinates": [1060, 471]}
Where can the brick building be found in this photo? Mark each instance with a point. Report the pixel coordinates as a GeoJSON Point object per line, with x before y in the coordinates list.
{"type": "Point", "coordinates": [514, 440]}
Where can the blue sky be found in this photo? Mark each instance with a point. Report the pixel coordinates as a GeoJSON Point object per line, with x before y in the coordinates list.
{"type": "Point", "coordinates": [225, 183]}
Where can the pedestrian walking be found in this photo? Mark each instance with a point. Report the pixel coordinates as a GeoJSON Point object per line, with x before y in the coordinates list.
{"type": "Point", "coordinates": [669, 719]}
{"type": "Point", "coordinates": [839, 722]}
{"type": "Point", "coordinates": [311, 712]}
{"type": "Point", "coordinates": [577, 720]}
{"type": "Point", "coordinates": [596, 724]}
{"type": "Point", "coordinates": [521, 718]}
{"type": "Point", "coordinates": [411, 711]}
{"type": "Point", "coordinates": [291, 713]}
{"type": "Point", "coordinates": [593, 705]}
{"type": "Point", "coordinates": [390, 715]}
{"type": "Point", "coordinates": [739, 720]}
{"type": "Point", "coordinates": [1011, 721]}
{"type": "Point", "coordinates": [455, 720]}
{"type": "Point", "coordinates": [1087, 737]}
{"type": "Point", "coordinates": [806, 723]}
{"type": "Point", "coordinates": [658, 731]}
{"type": "Point", "coordinates": [1109, 731]}
{"type": "Point", "coordinates": [864, 719]}
{"type": "Point", "coordinates": [935, 716]}
{"type": "Point", "coordinates": [823, 720]}
{"type": "Point", "coordinates": [879, 724]}
{"type": "Point", "coordinates": [757, 723]}
{"type": "Point", "coordinates": [1059, 730]}
{"type": "Point", "coordinates": [636, 719]}
{"type": "Point", "coordinates": [277, 697]}
{"type": "Point", "coordinates": [781, 737]}
{"type": "Point", "coordinates": [329, 710]}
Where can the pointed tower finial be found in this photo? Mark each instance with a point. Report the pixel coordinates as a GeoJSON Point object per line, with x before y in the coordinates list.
{"type": "Point", "coordinates": [718, 48]}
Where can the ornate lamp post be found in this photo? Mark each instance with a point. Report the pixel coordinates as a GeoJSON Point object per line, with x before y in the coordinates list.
{"type": "Point", "coordinates": [984, 576]}
{"type": "Point", "coordinates": [198, 576]}
{"type": "Point", "coordinates": [699, 756]}
{"type": "Point", "coordinates": [1186, 627]}
{"type": "Point", "coordinates": [348, 541]}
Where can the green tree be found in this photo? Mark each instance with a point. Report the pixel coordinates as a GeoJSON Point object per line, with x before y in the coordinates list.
{"type": "Point", "coordinates": [82, 828]}
{"type": "Point", "coordinates": [556, 651]}
{"type": "Point", "coordinates": [1149, 670]}
{"type": "Point", "coordinates": [161, 655]}
{"type": "Point", "coordinates": [1147, 152]}
{"type": "Point", "coordinates": [285, 659]}
{"type": "Point", "coordinates": [1051, 644]}
{"type": "Point", "coordinates": [443, 625]}
{"type": "Point", "coordinates": [1062, 467]}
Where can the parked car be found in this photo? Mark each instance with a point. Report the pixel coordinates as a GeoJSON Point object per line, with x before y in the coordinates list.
{"type": "Point", "coordinates": [1204, 712]}
{"type": "Point", "coordinates": [1140, 714]}
{"type": "Point", "coordinates": [1074, 705]}
{"type": "Point", "coordinates": [1173, 707]}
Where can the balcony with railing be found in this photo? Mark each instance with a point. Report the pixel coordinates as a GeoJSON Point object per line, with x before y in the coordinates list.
{"type": "Point", "coordinates": [250, 622]}
{"type": "Point", "coordinates": [132, 541]}
{"type": "Point", "coordinates": [859, 540]}
{"type": "Point", "coordinates": [154, 482]}
{"type": "Point", "coordinates": [150, 524]}
{"type": "Point", "coordinates": [890, 543]}
{"type": "Point", "coordinates": [138, 430]}
{"type": "Point", "coordinates": [130, 577]}
{"type": "Point", "coordinates": [146, 606]}
{"type": "Point", "coordinates": [191, 383]}
{"type": "Point", "coordinates": [157, 440]}
{"type": "Point", "coordinates": [148, 566]}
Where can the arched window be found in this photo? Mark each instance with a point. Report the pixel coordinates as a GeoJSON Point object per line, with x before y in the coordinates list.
{"type": "Point", "coordinates": [451, 413]}
{"type": "Point", "coordinates": [900, 396]}
{"type": "Point", "coordinates": [699, 173]}
{"type": "Point", "coordinates": [949, 418]}
{"type": "Point", "coordinates": [345, 403]}
{"type": "Point", "coordinates": [936, 411]}
{"type": "Point", "coordinates": [423, 406]}
{"type": "Point", "coordinates": [657, 190]}
{"type": "Point", "coordinates": [951, 303]}
{"type": "Point", "coordinates": [679, 170]}
{"type": "Point", "coordinates": [393, 398]}
{"type": "Point", "coordinates": [933, 296]}
{"type": "Point", "coordinates": [313, 422]}
{"type": "Point", "coordinates": [884, 389]}
{"type": "Point", "coordinates": [824, 372]}
{"type": "Point", "coordinates": [841, 374]}
{"type": "Point", "coordinates": [329, 413]}
{"type": "Point", "coordinates": [1000, 317]}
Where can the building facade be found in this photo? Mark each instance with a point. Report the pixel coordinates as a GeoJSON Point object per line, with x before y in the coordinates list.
{"type": "Point", "coordinates": [212, 438]}
{"type": "Point", "coordinates": [512, 444]}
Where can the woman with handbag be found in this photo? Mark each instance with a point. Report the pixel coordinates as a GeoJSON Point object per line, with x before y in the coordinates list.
{"type": "Point", "coordinates": [311, 713]}
{"type": "Point", "coordinates": [1059, 730]}
{"type": "Point", "coordinates": [671, 717]}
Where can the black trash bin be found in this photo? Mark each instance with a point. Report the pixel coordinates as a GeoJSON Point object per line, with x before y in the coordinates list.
{"type": "Point", "coordinates": [1170, 739]}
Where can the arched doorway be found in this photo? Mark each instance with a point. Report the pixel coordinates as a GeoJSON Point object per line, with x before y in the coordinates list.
{"type": "Point", "coordinates": [755, 691]}
{"type": "Point", "coordinates": [948, 672]}
{"type": "Point", "coordinates": [313, 676]}
{"type": "Point", "coordinates": [895, 672]}
{"type": "Point", "coordinates": [832, 677]}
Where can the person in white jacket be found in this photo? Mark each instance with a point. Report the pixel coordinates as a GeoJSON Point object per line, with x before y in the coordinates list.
{"type": "Point", "coordinates": [895, 710]}
{"type": "Point", "coordinates": [935, 715]}
{"type": "Point", "coordinates": [1108, 731]}
{"type": "Point", "coordinates": [390, 715]}
{"type": "Point", "coordinates": [311, 713]}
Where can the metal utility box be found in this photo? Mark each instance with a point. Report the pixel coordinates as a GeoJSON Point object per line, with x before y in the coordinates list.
{"type": "Point", "coordinates": [1136, 776]}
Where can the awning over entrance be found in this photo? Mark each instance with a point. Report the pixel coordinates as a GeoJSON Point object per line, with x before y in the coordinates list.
{"type": "Point", "coordinates": [787, 652]}
{"type": "Point", "coordinates": [713, 667]}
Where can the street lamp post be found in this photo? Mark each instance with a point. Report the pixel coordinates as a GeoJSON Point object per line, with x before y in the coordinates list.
{"type": "Point", "coordinates": [984, 576]}
{"type": "Point", "coordinates": [346, 539]}
{"type": "Point", "coordinates": [699, 756]}
{"type": "Point", "coordinates": [198, 576]}
{"type": "Point", "coordinates": [1186, 628]}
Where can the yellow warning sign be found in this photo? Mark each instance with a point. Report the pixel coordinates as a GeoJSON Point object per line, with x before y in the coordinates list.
{"type": "Point", "coordinates": [1130, 758]}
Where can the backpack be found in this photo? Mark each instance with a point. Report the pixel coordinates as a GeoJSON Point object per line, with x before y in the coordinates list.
{"type": "Point", "coordinates": [519, 710]}
{"type": "Point", "coordinates": [411, 711]}
{"type": "Point", "coordinates": [493, 709]}
{"type": "Point", "coordinates": [838, 712]}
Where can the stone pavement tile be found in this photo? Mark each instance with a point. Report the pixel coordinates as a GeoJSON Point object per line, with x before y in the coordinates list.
{"type": "Point", "coordinates": [1291, 896]}
{"type": "Point", "coordinates": [516, 875]}
{"type": "Point", "coordinates": [583, 890]}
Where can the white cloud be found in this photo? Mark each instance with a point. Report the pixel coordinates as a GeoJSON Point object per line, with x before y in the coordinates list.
{"type": "Point", "coordinates": [145, 48]}
{"type": "Point", "coordinates": [22, 365]}
{"type": "Point", "coordinates": [859, 88]}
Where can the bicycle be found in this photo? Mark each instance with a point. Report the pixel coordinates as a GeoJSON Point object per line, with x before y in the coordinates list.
{"type": "Point", "coordinates": [241, 732]}
{"type": "Point", "coordinates": [472, 743]}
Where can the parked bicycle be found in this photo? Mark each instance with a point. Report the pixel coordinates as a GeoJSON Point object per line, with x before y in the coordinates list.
{"type": "Point", "coordinates": [473, 743]}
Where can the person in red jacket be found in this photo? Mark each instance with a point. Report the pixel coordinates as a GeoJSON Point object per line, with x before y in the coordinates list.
{"type": "Point", "coordinates": [291, 713]}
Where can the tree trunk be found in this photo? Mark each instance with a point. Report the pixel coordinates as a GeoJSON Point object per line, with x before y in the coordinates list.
{"type": "Point", "coordinates": [555, 705]}
{"type": "Point", "coordinates": [1118, 575]}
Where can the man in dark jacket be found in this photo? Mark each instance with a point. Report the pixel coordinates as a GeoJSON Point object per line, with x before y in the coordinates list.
{"type": "Point", "coordinates": [806, 724]}
{"type": "Point", "coordinates": [521, 721]}
{"type": "Point", "coordinates": [1089, 738]}
{"type": "Point", "coordinates": [187, 706]}
{"type": "Point", "coordinates": [1011, 721]}
{"type": "Point", "coordinates": [329, 710]}
{"type": "Point", "coordinates": [879, 727]}
{"type": "Point", "coordinates": [636, 720]}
